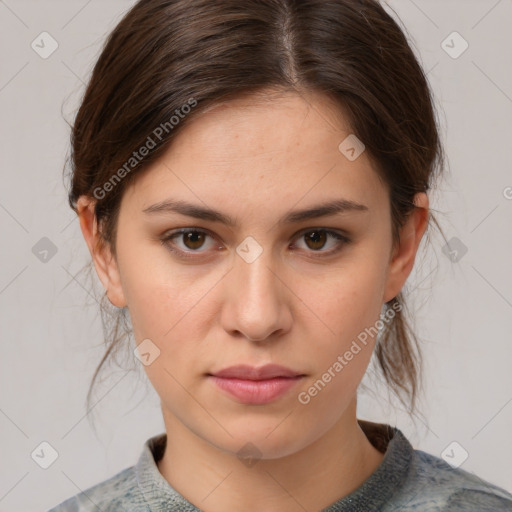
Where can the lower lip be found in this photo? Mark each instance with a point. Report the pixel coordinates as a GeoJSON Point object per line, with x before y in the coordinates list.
{"type": "Point", "coordinates": [256, 392]}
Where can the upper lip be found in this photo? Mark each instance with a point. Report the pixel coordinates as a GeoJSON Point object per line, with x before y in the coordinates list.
{"type": "Point", "coordinates": [268, 371]}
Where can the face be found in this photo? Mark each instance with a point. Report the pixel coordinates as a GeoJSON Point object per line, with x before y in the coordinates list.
{"type": "Point", "coordinates": [267, 287]}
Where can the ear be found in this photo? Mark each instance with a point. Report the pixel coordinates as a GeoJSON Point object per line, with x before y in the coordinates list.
{"type": "Point", "coordinates": [404, 254]}
{"type": "Point", "coordinates": [104, 262]}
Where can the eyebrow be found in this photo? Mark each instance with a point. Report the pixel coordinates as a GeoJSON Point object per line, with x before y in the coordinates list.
{"type": "Point", "coordinates": [199, 212]}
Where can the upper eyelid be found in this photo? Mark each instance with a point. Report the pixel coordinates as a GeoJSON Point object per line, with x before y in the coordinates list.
{"type": "Point", "coordinates": [181, 231]}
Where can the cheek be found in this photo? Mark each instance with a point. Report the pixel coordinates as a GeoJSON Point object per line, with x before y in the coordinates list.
{"type": "Point", "coordinates": [169, 314]}
{"type": "Point", "coordinates": [348, 303]}
{"type": "Point", "coordinates": [161, 294]}
{"type": "Point", "coordinates": [345, 300]}
{"type": "Point", "coordinates": [171, 307]}
{"type": "Point", "coordinates": [349, 308]}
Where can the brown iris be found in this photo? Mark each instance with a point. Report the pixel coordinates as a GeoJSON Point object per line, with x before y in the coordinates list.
{"type": "Point", "coordinates": [317, 238]}
{"type": "Point", "coordinates": [195, 239]}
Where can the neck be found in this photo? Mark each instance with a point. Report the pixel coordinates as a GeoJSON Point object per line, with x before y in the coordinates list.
{"type": "Point", "coordinates": [313, 478]}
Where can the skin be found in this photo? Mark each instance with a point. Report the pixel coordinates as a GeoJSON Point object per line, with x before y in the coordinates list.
{"type": "Point", "coordinates": [256, 161]}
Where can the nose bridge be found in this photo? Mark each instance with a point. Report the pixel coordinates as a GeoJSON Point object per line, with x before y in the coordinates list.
{"type": "Point", "coordinates": [256, 306]}
{"type": "Point", "coordinates": [258, 276]}
{"type": "Point", "coordinates": [254, 262]}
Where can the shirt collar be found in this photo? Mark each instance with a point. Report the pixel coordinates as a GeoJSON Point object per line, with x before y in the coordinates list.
{"type": "Point", "coordinates": [374, 492]}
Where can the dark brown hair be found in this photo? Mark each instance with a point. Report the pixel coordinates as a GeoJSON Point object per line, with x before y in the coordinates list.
{"type": "Point", "coordinates": [168, 54]}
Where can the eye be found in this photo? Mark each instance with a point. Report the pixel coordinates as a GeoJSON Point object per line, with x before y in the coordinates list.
{"type": "Point", "coordinates": [316, 239]}
{"type": "Point", "coordinates": [193, 239]}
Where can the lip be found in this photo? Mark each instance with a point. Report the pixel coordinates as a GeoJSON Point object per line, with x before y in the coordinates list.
{"type": "Point", "coordinates": [246, 372]}
{"type": "Point", "coordinates": [256, 386]}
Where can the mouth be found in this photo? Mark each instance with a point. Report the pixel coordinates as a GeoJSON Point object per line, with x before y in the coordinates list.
{"type": "Point", "coordinates": [256, 386]}
{"type": "Point", "coordinates": [246, 372]}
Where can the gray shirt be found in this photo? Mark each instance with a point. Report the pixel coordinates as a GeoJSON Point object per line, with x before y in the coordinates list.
{"type": "Point", "coordinates": [406, 480]}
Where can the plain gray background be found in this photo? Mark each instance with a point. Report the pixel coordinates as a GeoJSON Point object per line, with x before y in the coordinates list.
{"type": "Point", "coordinates": [50, 325]}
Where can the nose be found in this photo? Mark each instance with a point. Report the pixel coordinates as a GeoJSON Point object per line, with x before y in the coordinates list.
{"type": "Point", "coordinates": [256, 303]}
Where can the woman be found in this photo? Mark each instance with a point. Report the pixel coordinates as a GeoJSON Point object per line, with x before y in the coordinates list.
{"type": "Point", "coordinates": [251, 180]}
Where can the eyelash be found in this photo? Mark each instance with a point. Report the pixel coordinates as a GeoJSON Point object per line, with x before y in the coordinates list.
{"type": "Point", "coordinates": [343, 240]}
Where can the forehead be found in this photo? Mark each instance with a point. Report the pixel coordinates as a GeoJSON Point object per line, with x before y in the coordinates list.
{"type": "Point", "coordinates": [259, 149]}
{"type": "Point", "coordinates": [266, 121]}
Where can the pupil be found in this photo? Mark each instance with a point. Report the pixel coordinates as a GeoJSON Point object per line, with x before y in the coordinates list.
{"type": "Point", "coordinates": [317, 236]}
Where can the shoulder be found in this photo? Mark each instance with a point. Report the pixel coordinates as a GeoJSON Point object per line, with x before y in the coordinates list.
{"type": "Point", "coordinates": [410, 480]}
{"type": "Point", "coordinates": [120, 492]}
{"type": "Point", "coordinates": [432, 485]}
{"type": "Point", "coordinates": [139, 488]}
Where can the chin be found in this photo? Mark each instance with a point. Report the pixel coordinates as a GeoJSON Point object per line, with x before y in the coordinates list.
{"type": "Point", "coordinates": [263, 438]}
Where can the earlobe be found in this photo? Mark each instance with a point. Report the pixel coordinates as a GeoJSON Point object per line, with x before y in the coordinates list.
{"type": "Point", "coordinates": [404, 254]}
{"type": "Point", "coordinates": [104, 262]}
